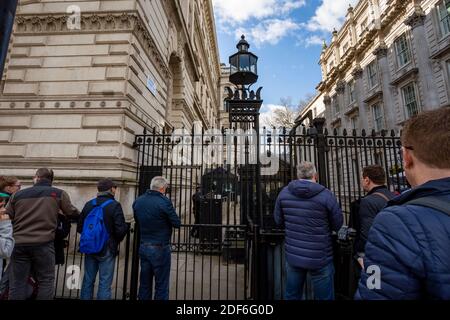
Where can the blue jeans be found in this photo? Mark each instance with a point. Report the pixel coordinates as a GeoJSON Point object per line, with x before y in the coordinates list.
{"type": "Point", "coordinates": [322, 280]}
{"type": "Point", "coordinates": [103, 265]}
{"type": "Point", "coordinates": [155, 263]}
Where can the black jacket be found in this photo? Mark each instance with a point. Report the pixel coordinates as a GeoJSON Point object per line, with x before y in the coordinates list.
{"type": "Point", "coordinates": [114, 220]}
{"type": "Point", "coordinates": [369, 207]}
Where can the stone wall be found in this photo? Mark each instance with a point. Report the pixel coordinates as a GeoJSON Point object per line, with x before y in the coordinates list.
{"type": "Point", "coordinates": [74, 99]}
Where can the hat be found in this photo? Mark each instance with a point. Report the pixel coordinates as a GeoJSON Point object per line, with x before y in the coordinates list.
{"type": "Point", "coordinates": [105, 185]}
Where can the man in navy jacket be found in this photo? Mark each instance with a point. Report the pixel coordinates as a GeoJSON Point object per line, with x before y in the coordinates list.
{"type": "Point", "coordinates": [309, 212]}
{"type": "Point", "coordinates": [408, 248]}
{"type": "Point", "coordinates": [155, 217]}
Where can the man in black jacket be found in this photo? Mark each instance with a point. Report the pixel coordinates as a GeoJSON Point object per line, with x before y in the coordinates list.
{"type": "Point", "coordinates": [373, 182]}
{"type": "Point", "coordinates": [104, 261]}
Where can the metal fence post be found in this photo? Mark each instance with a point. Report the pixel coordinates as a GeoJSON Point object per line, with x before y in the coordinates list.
{"type": "Point", "coordinates": [321, 143]}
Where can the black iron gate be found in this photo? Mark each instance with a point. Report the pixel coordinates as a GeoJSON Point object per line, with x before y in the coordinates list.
{"type": "Point", "coordinates": [238, 251]}
{"type": "Point", "coordinates": [229, 246]}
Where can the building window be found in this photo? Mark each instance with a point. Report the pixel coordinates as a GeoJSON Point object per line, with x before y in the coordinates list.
{"type": "Point", "coordinates": [335, 104]}
{"type": "Point", "coordinates": [403, 51]}
{"type": "Point", "coordinates": [354, 122]}
{"type": "Point", "coordinates": [363, 26]}
{"type": "Point", "coordinates": [377, 113]}
{"type": "Point", "coordinates": [410, 100]}
{"type": "Point", "coordinates": [351, 92]}
{"type": "Point", "coordinates": [330, 66]}
{"type": "Point", "coordinates": [372, 74]}
{"type": "Point", "coordinates": [444, 17]}
{"type": "Point", "coordinates": [225, 105]}
{"type": "Point", "coordinates": [345, 48]}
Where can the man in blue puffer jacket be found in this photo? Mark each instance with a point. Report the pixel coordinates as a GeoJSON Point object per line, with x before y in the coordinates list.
{"type": "Point", "coordinates": [408, 248]}
{"type": "Point", "coordinates": [309, 212]}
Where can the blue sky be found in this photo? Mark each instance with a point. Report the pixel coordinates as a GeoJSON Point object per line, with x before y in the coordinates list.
{"type": "Point", "coordinates": [287, 37]}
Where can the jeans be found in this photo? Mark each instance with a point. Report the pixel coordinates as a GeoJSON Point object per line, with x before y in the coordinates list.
{"type": "Point", "coordinates": [155, 263]}
{"type": "Point", "coordinates": [40, 259]}
{"type": "Point", "coordinates": [104, 265]}
{"type": "Point", "coordinates": [322, 280]}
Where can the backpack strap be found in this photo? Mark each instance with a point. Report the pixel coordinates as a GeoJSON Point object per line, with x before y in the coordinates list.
{"type": "Point", "coordinates": [104, 204]}
{"type": "Point", "coordinates": [436, 203]}
{"type": "Point", "coordinates": [381, 195]}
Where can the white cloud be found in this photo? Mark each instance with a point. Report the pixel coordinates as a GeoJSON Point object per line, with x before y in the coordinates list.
{"type": "Point", "coordinates": [269, 31]}
{"type": "Point", "coordinates": [330, 14]}
{"type": "Point", "coordinates": [289, 6]}
{"type": "Point", "coordinates": [239, 11]}
{"type": "Point", "coordinates": [267, 113]}
{"type": "Point", "coordinates": [313, 40]}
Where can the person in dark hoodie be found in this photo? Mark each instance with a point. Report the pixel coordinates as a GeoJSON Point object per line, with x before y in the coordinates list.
{"type": "Point", "coordinates": [104, 261]}
{"type": "Point", "coordinates": [309, 213]}
{"type": "Point", "coordinates": [408, 248]}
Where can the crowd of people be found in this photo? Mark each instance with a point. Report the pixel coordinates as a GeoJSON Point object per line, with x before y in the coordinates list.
{"type": "Point", "coordinates": [402, 242]}
{"type": "Point", "coordinates": [35, 219]}
{"type": "Point", "coordinates": [405, 237]}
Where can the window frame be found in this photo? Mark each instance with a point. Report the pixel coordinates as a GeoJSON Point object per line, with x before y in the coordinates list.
{"type": "Point", "coordinates": [371, 85]}
{"type": "Point", "coordinates": [375, 119]}
{"type": "Point", "coordinates": [440, 19]}
{"type": "Point", "coordinates": [351, 92]}
{"type": "Point", "coordinates": [334, 103]}
{"type": "Point", "coordinates": [406, 50]}
{"type": "Point", "coordinates": [354, 122]}
{"type": "Point", "coordinates": [405, 103]}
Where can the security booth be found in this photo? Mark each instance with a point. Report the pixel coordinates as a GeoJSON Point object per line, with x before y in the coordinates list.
{"type": "Point", "coordinates": [7, 14]}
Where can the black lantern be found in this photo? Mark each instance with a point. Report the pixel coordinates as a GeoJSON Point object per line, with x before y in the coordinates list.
{"type": "Point", "coordinates": [243, 65]}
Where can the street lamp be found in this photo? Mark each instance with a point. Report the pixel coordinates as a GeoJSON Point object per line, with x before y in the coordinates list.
{"type": "Point", "coordinates": [243, 103]}
{"type": "Point", "coordinates": [243, 65]}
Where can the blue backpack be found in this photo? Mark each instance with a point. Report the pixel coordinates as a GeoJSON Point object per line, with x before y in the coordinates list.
{"type": "Point", "coordinates": [94, 235]}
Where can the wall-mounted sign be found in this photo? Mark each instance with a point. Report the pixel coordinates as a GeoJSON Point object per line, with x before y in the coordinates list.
{"type": "Point", "coordinates": [151, 85]}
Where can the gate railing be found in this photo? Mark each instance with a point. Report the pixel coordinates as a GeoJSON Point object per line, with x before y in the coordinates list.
{"type": "Point", "coordinates": [229, 246]}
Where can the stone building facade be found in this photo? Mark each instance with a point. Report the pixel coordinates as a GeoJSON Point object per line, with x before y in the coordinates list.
{"type": "Point", "coordinates": [389, 61]}
{"type": "Point", "coordinates": [83, 77]}
{"type": "Point", "coordinates": [315, 107]}
{"type": "Point", "coordinates": [224, 83]}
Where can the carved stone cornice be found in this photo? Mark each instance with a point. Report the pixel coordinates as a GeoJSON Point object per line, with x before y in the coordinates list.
{"type": "Point", "coordinates": [416, 19]}
{"type": "Point", "coordinates": [373, 96]}
{"type": "Point", "coordinates": [357, 73]}
{"type": "Point", "coordinates": [336, 122]}
{"type": "Point", "coordinates": [381, 51]}
{"type": "Point", "coordinates": [327, 100]}
{"type": "Point", "coordinates": [93, 22]}
{"type": "Point", "coordinates": [340, 87]}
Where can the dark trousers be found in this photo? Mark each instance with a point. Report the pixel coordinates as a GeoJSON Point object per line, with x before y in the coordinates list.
{"type": "Point", "coordinates": [40, 259]}
{"type": "Point", "coordinates": [155, 265]}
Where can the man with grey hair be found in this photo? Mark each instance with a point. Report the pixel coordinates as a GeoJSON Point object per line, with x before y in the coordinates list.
{"type": "Point", "coordinates": [155, 217]}
{"type": "Point", "coordinates": [309, 212]}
